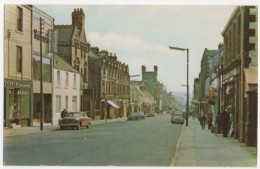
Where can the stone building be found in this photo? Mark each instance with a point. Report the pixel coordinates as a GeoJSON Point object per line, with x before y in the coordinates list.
{"type": "Point", "coordinates": [17, 65]}
{"type": "Point", "coordinates": [151, 85]}
{"type": "Point", "coordinates": [42, 23]}
{"type": "Point", "coordinates": [108, 85]}
{"type": "Point", "coordinates": [73, 48]}
{"type": "Point", "coordinates": [204, 83]}
{"type": "Point", "coordinates": [195, 102]}
{"type": "Point", "coordinates": [66, 88]}
{"type": "Point", "coordinates": [240, 72]}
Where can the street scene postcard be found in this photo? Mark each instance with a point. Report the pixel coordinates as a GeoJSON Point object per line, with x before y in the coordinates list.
{"type": "Point", "coordinates": [129, 84]}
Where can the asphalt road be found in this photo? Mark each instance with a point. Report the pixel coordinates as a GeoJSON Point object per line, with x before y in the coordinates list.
{"type": "Point", "coordinates": [149, 142]}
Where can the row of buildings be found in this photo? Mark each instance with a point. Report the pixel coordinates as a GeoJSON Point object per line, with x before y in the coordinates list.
{"type": "Point", "coordinates": [229, 76]}
{"type": "Point", "coordinates": [50, 67]}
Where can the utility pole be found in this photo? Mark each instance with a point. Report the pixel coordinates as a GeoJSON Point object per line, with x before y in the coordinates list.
{"type": "Point", "coordinates": [41, 79]}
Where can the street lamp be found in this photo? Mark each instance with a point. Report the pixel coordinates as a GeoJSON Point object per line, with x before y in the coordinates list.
{"type": "Point", "coordinates": [187, 85]}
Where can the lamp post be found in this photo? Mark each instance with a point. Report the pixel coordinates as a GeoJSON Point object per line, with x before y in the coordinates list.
{"type": "Point", "coordinates": [187, 85]}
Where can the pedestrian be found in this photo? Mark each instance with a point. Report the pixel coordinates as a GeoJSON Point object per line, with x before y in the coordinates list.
{"type": "Point", "coordinates": [63, 113]}
{"type": "Point", "coordinates": [224, 119]}
{"type": "Point", "coordinates": [210, 118]}
{"type": "Point", "coordinates": [12, 111]}
{"type": "Point", "coordinates": [203, 121]}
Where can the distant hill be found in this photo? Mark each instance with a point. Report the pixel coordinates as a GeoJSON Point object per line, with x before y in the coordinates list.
{"type": "Point", "coordinates": [179, 94]}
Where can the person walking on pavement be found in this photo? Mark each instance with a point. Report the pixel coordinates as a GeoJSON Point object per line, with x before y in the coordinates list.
{"type": "Point", "coordinates": [224, 118]}
{"type": "Point", "coordinates": [210, 117]}
{"type": "Point", "coordinates": [63, 113]}
{"type": "Point", "coordinates": [203, 121]}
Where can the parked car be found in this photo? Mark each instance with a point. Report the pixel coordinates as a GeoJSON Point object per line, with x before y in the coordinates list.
{"type": "Point", "coordinates": [75, 120]}
{"type": "Point", "coordinates": [177, 117]}
{"type": "Point", "coordinates": [133, 116]}
{"type": "Point", "coordinates": [141, 115]}
{"type": "Point", "coordinates": [151, 115]}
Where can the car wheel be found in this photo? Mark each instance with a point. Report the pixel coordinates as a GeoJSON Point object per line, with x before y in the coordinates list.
{"type": "Point", "coordinates": [172, 122]}
{"type": "Point", "coordinates": [87, 126]}
{"type": "Point", "coordinates": [61, 127]}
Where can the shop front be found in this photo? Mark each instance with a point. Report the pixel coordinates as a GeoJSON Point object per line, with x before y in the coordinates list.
{"type": "Point", "coordinates": [230, 92]}
{"type": "Point", "coordinates": [17, 105]}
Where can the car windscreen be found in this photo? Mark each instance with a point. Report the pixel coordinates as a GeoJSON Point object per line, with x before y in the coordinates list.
{"type": "Point", "coordinates": [74, 114]}
{"type": "Point", "coordinates": [177, 114]}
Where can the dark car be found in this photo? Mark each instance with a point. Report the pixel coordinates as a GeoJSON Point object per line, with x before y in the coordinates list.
{"type": "Point", "coordinates": [177, 117]}
{"type": "Point", "coordinates": [132, 116]}
{"type": "Point", "coordinates": [75, 120]}
{"type": "Point", "coordinates": [151, 115]}
{"type": "Point", "coordinates": [141, 115]}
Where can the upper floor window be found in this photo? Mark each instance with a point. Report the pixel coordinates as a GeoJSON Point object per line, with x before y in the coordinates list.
{"type": "Point", "coordinates": [74, 82]}
{"type": "Point", "coordinates": [19, 19]}
{"type": "Point", "coordinates": [58, 78]}
{"type": "Point", "coordinates": [46, 66]}
{"type": "Point", "coordinates": [19, 56]}
{"type": "Point", "coordinates": [67, 79]}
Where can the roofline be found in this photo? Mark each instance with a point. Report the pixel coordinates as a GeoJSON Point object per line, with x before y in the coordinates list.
{"type": "Point", "coordinates": [231, 18]}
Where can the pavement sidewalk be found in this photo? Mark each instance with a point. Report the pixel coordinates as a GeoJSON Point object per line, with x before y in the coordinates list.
{"type": "Point", "coordinates": [197, 147]}
{"type": "Point", "coordinates": [10, 132]}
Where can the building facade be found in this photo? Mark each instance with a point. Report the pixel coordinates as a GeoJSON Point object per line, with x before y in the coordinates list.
{"type": "Point", "coordinates": [239, 62]}
{"type": "Point", "coordinates": [73, 48]}
{"type": "Point", "coordinates": [17, 65]}
{"type": "Point", "coordinates": [152, 86]}
{"type": "Point", "coordinates": [204, 83]}
{"type": "Point", "coordinates": [66, 88]}
{"type": "Point", "coordinates": [42, 23]}
{"type": "Point", "coordinates": [109, 84]}
{"type": "Point", "coordinates": [214, 92]}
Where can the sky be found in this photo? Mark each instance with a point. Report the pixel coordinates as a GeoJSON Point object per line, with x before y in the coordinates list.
{"type": "Point", "coordinates": [141, 33]}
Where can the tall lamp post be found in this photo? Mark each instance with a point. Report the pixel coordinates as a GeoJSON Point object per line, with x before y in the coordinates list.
{"type": "Point", "coordinates": [187, 85]}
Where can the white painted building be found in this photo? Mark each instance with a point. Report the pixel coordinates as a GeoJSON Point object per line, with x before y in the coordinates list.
{"type": "Point", "coordinates": [66, 88]}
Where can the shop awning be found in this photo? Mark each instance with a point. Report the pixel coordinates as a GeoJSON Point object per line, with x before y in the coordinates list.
{"type": "Point", "coordinates": [113, 104]}
{"type": "Point", "coordinates": [251, 75]}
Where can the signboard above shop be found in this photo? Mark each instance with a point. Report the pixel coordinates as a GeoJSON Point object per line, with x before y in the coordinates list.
{"type": "Point", "coordinates": [212, 93]}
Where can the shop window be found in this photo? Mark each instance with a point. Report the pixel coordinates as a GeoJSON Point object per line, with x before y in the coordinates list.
{"type": "Point", "coordinates": [20, 100]}
{"type": "Point", "coordinates": [19, 58]}
{"type": "Point", "coordinates": [37, 68]}
{"type": "Point", "coordinates": [19, 19]}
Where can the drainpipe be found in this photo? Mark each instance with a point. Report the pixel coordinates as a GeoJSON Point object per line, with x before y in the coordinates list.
{"type": "Point", "coordinates": [241, 112]}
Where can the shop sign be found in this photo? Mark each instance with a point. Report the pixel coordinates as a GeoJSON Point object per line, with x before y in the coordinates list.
{"type": "Point", "coordinates": [53, 40]}
{"type": "Point", "coordinates": [38, 36]}
{"type": "Point", "coordinates": [230, 74]}
{"type": "Point", "coordinates": [212, 93]}
{"type": "Point", "coordinates": [16, 84]}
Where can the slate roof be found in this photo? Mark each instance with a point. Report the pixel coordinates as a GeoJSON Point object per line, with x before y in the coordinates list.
{"type": "Point", "coordinates": [61, 64]}
{"type": "Point", "coordinates": [94, 56]}
{"type": "Point", "coordinates": [64, 32]}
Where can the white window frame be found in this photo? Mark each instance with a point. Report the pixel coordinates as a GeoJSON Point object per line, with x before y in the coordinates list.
{"type": "Point", "coordinates": [58, 78]}
{"type": "Point", "coordinates": [67, 80]}
{"type": "Point", "coordinates": [58, 103]}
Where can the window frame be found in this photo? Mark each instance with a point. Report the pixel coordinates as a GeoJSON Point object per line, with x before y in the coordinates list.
{"type": "Point", "coordinates": [19, 59]}
{"type": "Point", "coordinates": [19, 24]}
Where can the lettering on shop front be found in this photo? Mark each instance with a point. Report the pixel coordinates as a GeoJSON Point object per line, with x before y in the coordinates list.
{"type": "Point", "coordinates": [15, 84]}
{"type": "Point", "coordinates": [37, 36]}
